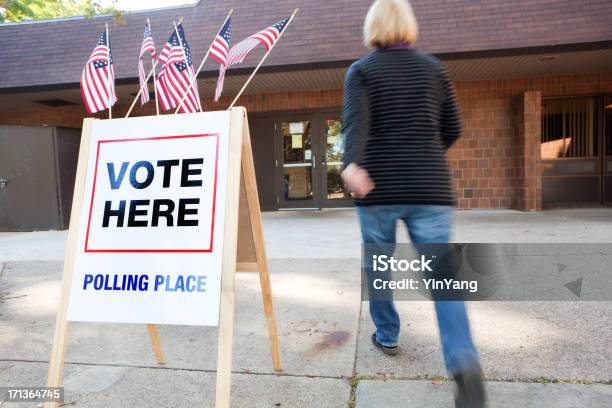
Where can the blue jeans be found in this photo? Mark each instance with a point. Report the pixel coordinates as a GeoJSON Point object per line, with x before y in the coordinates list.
{"type": "Point", "coordinates": [426, 224]}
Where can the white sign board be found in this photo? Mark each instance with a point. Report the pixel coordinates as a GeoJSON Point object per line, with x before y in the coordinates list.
{"type": "Point", "coordinates": [150, 242]}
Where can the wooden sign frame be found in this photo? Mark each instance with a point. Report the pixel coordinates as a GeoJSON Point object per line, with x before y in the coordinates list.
{"type": "Point", "coordinates": [244, 250]}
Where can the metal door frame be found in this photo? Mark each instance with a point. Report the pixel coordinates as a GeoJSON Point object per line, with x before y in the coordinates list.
{"type": "Point", "coordinates": [279, 117]}
{"type": "Point", "coordinates": [318, 146]}
{"type": "Point", "coordinates": [606, 196]}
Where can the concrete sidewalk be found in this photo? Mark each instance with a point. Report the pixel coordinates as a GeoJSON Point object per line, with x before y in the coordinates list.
{"type": "Point", "coordinates": [324, 327]}
{"type": "Point", "coordinates": [334, 233]}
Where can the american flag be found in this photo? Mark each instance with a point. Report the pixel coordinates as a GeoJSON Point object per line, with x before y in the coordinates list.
{"type": "Point", "coordinates": [239, 51]}
{"type": "Point", "coordinates": [220, 46]}
{"type": "Point", "coordinates": [148, 46]}
{"type": "Point", "coordinates": [176, 74]}
{"type": "Point", "coordinates": [98, 78]}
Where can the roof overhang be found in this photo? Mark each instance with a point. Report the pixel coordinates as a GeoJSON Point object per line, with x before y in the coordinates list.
{"type": "Point", "coordinates": [493, 65]}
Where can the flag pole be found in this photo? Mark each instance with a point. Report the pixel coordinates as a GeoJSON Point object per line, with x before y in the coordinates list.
{"type": "Point", "coordinates": [108, 83]}
{"type": "Point", "coordinates": [194, 79]}
{"type": "Point", "coordinates": [263, 59]}
{"type": "Point", "coordinates": [184, 54]}
{"type": "Point", "coordinates": [154, 76]}
{"type": "Point", "coordinates": [127, 115]}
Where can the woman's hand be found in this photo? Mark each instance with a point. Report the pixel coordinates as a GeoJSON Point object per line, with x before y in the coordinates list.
{"type": "Point", "coordinates": [357, 180]}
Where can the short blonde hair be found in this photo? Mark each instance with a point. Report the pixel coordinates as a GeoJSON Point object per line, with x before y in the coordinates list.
{"type": "Point", "coordinates": [390, 22]}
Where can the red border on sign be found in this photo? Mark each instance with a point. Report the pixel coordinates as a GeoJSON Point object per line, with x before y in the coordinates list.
{"type": "Point", "coordinates": [93, 192]}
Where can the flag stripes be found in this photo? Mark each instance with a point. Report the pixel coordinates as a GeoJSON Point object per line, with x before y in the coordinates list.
{"type": "Point", "coordinates": [176, 75]}
{"type": "Point", "coordinates": [148, 46]}
{"type": "Point", "coordinates": [220, 45]}
{"type": "Point", "coordinates": [239, 51]}
{"type": "Point", "coordinates": [98, 78]}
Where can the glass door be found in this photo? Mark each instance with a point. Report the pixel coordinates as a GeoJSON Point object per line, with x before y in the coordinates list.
{"type": "Point", "coordinates": [310, 150]}
{"type": "Point", "coordinates": [332, 147]}
{"type": "Point", "coordinates": [297, 164]}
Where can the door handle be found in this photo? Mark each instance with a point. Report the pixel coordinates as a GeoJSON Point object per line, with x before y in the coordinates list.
{"type": "Point", "coordinates": [314, 162]}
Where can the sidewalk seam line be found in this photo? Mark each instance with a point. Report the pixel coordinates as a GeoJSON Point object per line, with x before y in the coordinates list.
{"type": "Point", "coordinates": [178, 369]}
{"type": "Point", "coordinates": [340, 377]}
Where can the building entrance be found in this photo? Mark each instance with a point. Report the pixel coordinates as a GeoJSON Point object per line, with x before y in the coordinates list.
{"type": "Point", "coordinates": [309, 156]}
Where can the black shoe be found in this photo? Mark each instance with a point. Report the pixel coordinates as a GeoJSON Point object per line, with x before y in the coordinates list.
{"type": "Point", "coordinates": [390, 351]}
{"type": "Point", "coordinates": [470, 389]}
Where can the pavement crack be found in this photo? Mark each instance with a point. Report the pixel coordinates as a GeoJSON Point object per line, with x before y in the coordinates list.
{"type": "Point", "coordinates": [203, 370]}
{"type": "Point", "coordinates": [2, 270]}
{"type": "Point", "coordinates": [354, 379]}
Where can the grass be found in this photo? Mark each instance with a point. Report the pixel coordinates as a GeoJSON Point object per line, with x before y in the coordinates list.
{"type": "Point", "coordinates": [354, 381]}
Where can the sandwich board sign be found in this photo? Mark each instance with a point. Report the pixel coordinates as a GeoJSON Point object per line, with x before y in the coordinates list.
{"type": "Point", "coordinates": [147, 247]}
{"type": "Point", "coordinates": [153, 239]}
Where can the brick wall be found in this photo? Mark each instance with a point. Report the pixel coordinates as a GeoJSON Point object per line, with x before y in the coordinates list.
{"type": "Point", "coordinates": [490, 163]}
{"type": "Point", "coordinates": [484, 161]}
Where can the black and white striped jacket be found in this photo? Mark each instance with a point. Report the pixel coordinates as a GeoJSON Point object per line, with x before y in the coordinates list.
{"type": "Point", "coordinates": [400, 116]}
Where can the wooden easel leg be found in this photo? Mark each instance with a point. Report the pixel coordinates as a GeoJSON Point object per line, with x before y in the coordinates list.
{"type": "Point", "coordinates": [230, 247]}
{"type": "Point", "coordinates": [56, 363]}
{"type": "Point", "coordinates": [224, 353]}
{"type": "Point", "coordinates": [250, 183]}
{"type": "Point", "coordinates": [156, 343]}
{"type": "Point", "coordinates": [266, 291]}
{"type": "Point", "coordinates": [60, 336]}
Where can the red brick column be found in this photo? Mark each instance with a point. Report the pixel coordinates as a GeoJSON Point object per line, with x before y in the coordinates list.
{"type": "Point", "coordinates": [528, 170]}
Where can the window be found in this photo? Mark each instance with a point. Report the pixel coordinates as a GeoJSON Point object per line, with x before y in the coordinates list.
{"type": "Point", "coordinates": [568, 128]}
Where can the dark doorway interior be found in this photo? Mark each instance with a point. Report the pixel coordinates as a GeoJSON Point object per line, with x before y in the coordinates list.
{"type": "Point", "coordinates": [261, 127]}
{"type": "Point", "coordinates": [37, 172]}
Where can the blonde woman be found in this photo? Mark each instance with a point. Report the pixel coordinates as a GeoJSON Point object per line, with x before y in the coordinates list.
{"type": "Point", "coordinates": [400, 116]}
